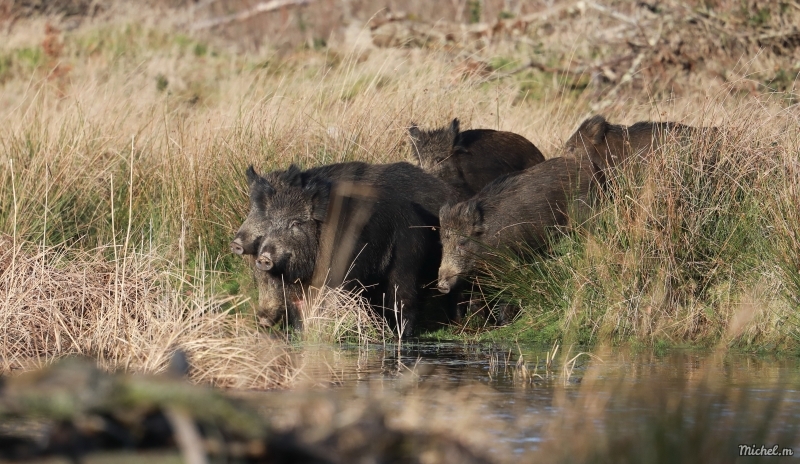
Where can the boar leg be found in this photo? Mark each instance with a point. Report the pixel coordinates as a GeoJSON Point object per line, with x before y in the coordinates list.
{"type": "Point", "coordinates": [402, 294]}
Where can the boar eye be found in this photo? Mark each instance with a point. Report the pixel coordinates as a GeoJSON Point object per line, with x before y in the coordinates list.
{"type": "Point", "coordinates": [294, 224]}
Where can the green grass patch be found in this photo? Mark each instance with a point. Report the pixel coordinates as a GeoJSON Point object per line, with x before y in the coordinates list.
{"type": "Point", "coordinates": [667, 258]}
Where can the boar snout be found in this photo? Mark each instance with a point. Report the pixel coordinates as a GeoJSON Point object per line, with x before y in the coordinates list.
{"type": "Point", "coordinates": [268, 319]}
{"type": "Point", "coordinates": [236, 247]}
{"type": "Point", "coordinates": [448, 276]}
{"type": "Point", "coordinates": [264, 262]}
{"type": "Point", "coordinates": [446, 284]}
{"type": "Point", "coordinates": [245, 244]}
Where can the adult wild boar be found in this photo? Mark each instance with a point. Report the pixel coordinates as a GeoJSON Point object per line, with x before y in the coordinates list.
{"type": "Point", "coordinates": [469, 160]}
{"type": "Point", "coordinates": [515, 212]}
{"type": "Point", "coordinates": [349, 224]}
{"type": "Point", "coordinates": [610, 145]}
{"type": "Point", "coordinates": [426, 192]}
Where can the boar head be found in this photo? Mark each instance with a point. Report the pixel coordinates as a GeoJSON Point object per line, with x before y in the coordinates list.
{"type": "Point", "coordinates": [461, 233]}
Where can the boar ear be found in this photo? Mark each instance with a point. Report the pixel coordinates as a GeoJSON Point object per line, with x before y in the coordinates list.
{"type": "Point", "coordinates": [444, 210]}
{"type": "Point", "coordinates": [474, 213]}
{"type": "Point", "coordinates": [260, 188]}
{"type": "Point", "coordinates": [293, 176]}
{"type": "Point", "coordinates": [454, 130]}
{"type": "Point", "coordinates": [258, 183]}
{"type": "Point", "coordinates": [319, 190]}
{"type": "Point", "coordinates": [594, 129]}
{"type": "Point", "coordinates": [414, 131]}
{"type": "Point", "coordinates": [252, 176]}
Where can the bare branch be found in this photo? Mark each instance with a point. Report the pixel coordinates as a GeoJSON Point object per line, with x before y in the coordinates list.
{"type": "Point", "coordinates": [612, 13]}
{"type": "Point", "coordinates": [261, 7]}
{"type": "Point", "coordinates": [779, 34]}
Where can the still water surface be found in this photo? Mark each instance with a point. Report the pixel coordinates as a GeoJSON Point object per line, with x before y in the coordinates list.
{"type": "Point", "coordinates": [524, 401]}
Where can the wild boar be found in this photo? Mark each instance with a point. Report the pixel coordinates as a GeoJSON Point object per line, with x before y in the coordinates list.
{"type": "Point", "coordinates": [515, 212]}
{"type": "Point", "coordinates": [278, 300]}
{"type": "Point", "coordinates": [610, 145]}
{"type": "Point", "coordinates": [349, 224]}
{"type": "Point", "coordinates": [471, 159]}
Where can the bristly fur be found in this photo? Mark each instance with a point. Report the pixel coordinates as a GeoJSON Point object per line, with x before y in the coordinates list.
{"type": "Point", "coordinates": [469, 160]}
{"type": "Point", "coordinates": [393, 253]}
{"type": "Point", "coordinates": [517, 211]}
{"type": "Point", "coordinates": [260, 188]}
{"type": "Point", "coordinates": [610, 145]}
{"type": "Point", "coordinates": [435, 145]}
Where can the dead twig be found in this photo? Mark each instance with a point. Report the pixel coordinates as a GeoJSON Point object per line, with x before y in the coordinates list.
{"type": "Point", "coordinates": [777, 34]}
{"type": "Point", "coordinates": [189, 441]}
{"type": "Point", "coordinates": [549, 69]}
{"type": "Point", "coordinates": [612, 13]}
{"type": "Point", "coordinates": [627, 77]}
{"type": "Point", "coordinates": [261, 7]}
{"type": "Point", "coordinates": [553, 11]}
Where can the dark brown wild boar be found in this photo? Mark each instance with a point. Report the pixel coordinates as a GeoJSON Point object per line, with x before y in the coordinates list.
{"type": "Point", "coordinates": [610, 145]}
{"type": "Point", "coordinates": [515, 212]}
{"type": "Point", "coordinates": [469, 160]}
{"type": "Point", "coordinates": [375, 228]}
{"type": "Point", "coordinates": [247, 240]}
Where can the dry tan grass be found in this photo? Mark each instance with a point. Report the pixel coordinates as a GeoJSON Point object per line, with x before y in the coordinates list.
{"type": "Point", "coordinates": [335, 315]}
{"type": "Point", "coordinates": [689, 234]}
{"type": "Point", "coordinates": [128, 314]}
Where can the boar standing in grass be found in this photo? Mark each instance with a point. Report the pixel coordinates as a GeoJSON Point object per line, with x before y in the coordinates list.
{"type": "Point", "coordinates": [611, 145]}
{"type": "Point", "coordinates": [471, 159]}
{"type": "Point", "coordinates": [281, 299]}
{"type": "Point", "coordinates": [515, 212]}
{"type": "Point", "coordinates": [348, 224]}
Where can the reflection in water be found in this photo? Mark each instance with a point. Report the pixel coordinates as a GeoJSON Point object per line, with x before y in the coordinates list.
{"type": "Point", "coordinates": [613, 405]}
{"type": "Point", "coordinates": [426, 403]}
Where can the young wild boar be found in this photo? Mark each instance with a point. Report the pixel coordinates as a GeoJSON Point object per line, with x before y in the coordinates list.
{"type": "Point", "coordinates": [471, 159]}
{"type": "Point", "coordinates": [609, 145]}
{"type": "Point", "coordinates": [348, 224]}
{"type": "Point", "coordinates": [514, 212]}
{"type": "Point", "coordinates": [278, 300]}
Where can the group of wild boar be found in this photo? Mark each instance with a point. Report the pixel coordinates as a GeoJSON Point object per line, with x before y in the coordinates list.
{"type": "Point", "coordinates": [394, 230]}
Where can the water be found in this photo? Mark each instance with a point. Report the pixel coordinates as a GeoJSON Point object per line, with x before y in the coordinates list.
{"type": "Point", "coordinates": [700, 401]}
